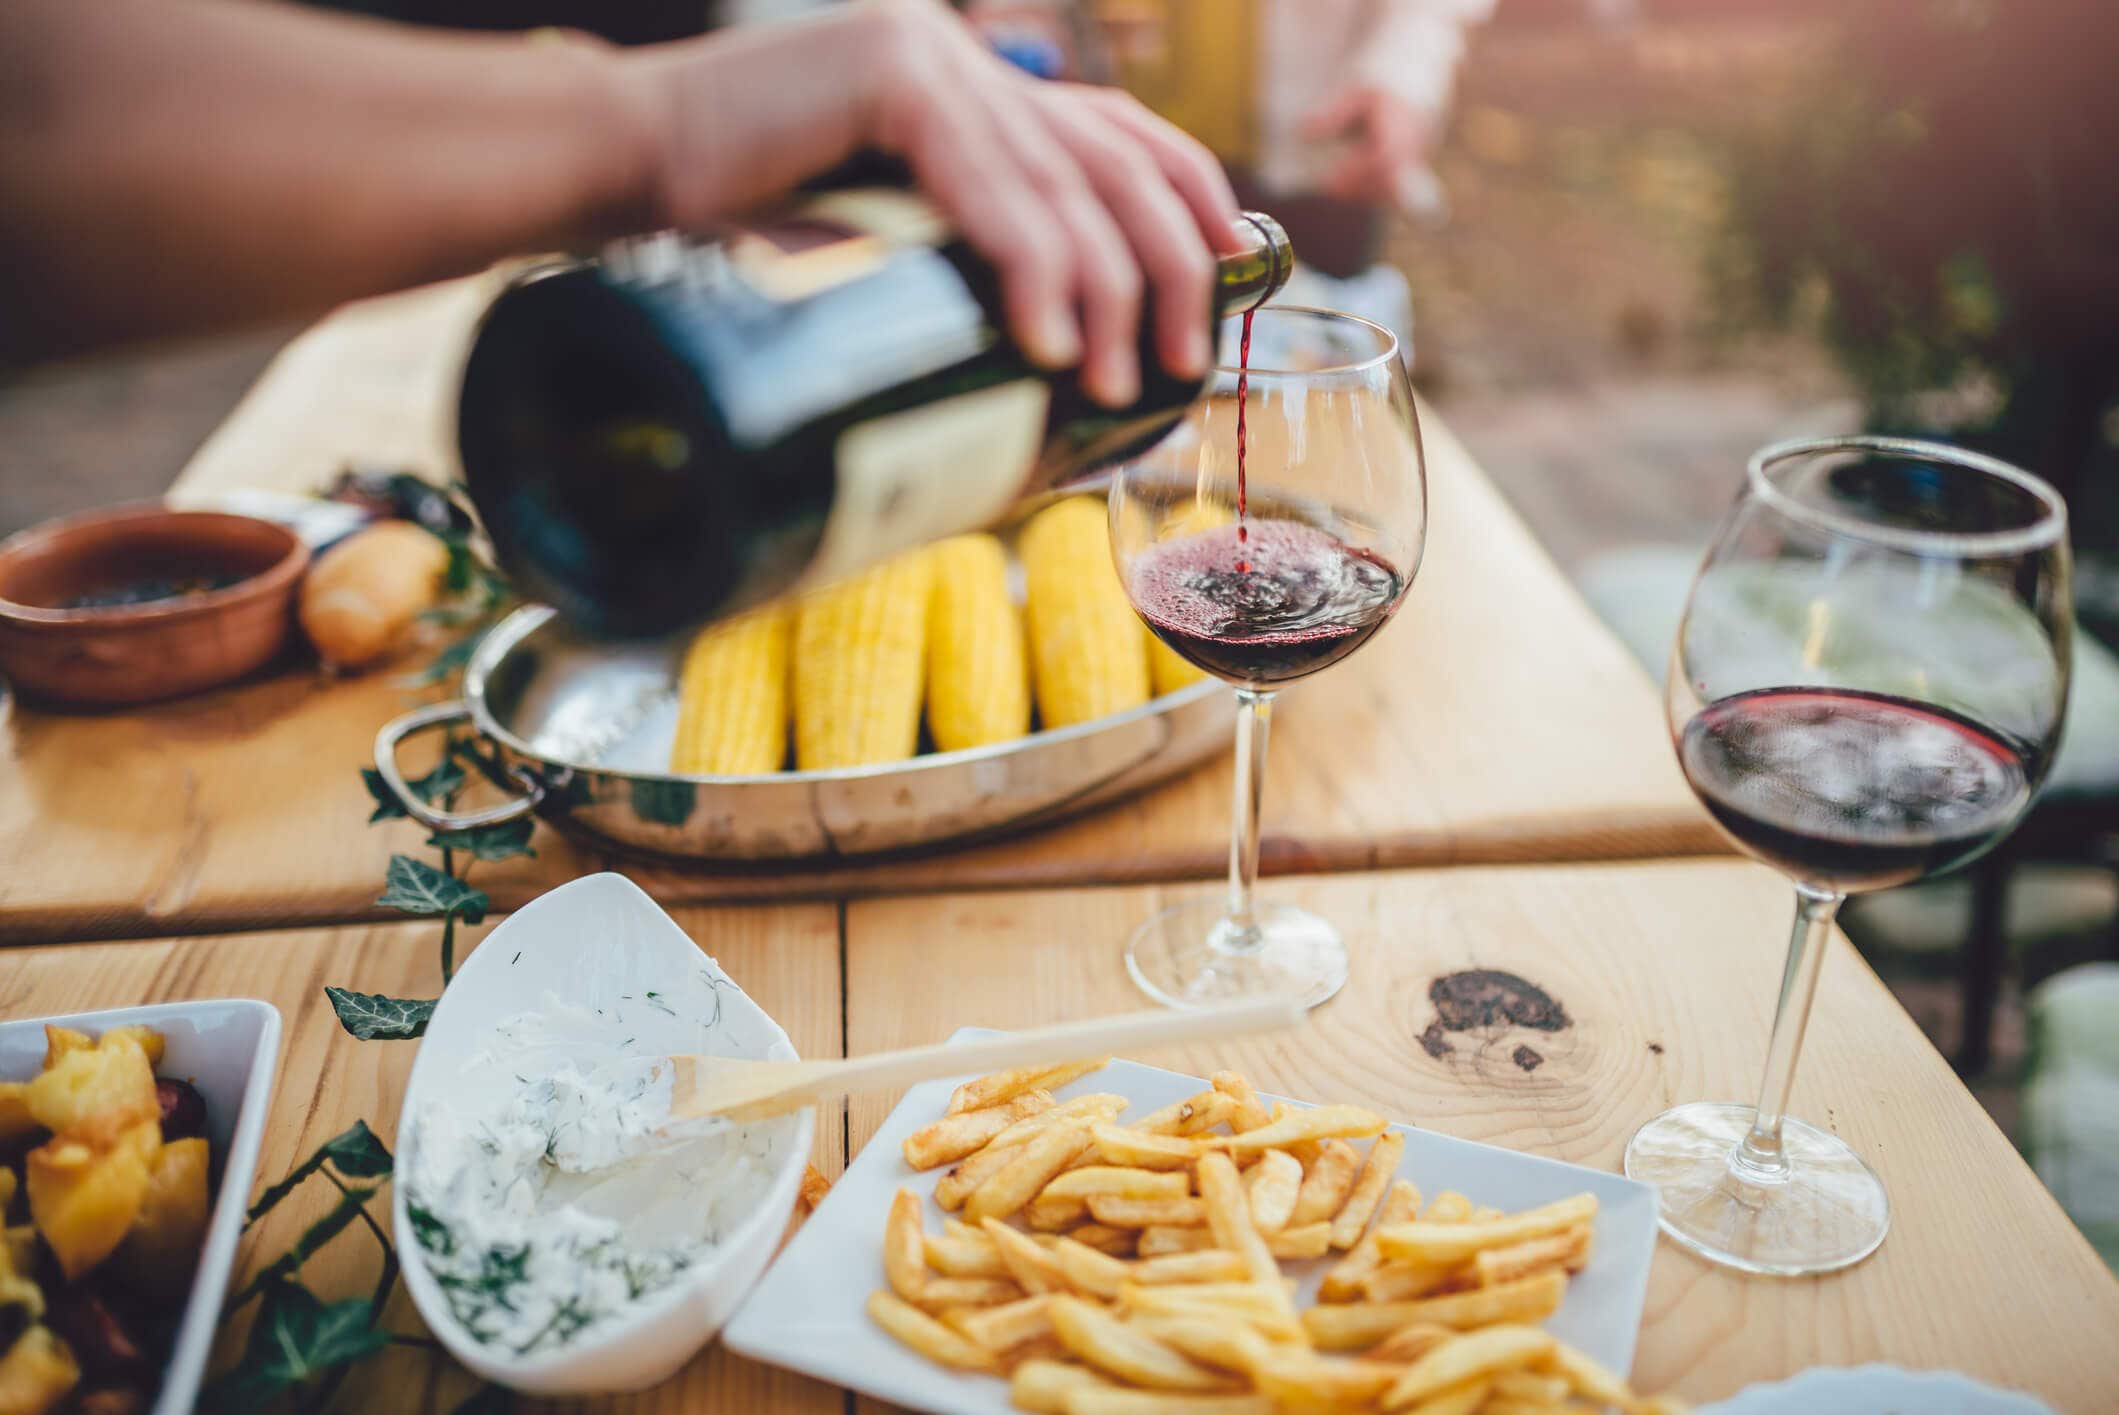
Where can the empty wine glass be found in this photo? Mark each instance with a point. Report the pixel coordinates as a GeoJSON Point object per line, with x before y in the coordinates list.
{"type": "Point", "coordinates": [1269, 537]}
{"type": "Point", "coordinates": [1866, 689]}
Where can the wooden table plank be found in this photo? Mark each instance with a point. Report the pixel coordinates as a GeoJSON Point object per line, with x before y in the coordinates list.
{"type": "Point", "coordinates": [1494, 720]}
{"type": "Point", "coordinates": [235, 809]}
{"type": "Point", "coordinates": [1668, 971]}
{"type": "Point", "coordinates": [787, 958]}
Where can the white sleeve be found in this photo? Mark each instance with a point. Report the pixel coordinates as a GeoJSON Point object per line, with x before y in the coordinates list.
{"type": "Point", "coordinates": [1413, 48]}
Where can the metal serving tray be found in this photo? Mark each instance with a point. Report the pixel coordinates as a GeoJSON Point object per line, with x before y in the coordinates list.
{"type": "Point", "coordinates": [584, 729]}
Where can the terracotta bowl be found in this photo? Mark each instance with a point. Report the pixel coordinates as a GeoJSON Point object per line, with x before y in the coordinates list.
{"type": "Point", "coordinates": [107, 655]}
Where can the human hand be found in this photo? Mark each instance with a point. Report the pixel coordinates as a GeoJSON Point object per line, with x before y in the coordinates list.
{"type": "Point", "coordinates": [1385, 139]}
{"type": "Point", "coordinates": [1083, 201]}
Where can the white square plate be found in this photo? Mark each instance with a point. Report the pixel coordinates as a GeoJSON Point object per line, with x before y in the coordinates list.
{"type": "Point", "coordinates": [228, 1048]}
{"type": "Point", "coordinates": [806, 1314]}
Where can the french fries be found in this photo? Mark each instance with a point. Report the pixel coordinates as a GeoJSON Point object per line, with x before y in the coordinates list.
{"type": "Point", "coordinates": [1343, 1282]}
{"type": "Point", "coordinates": [1043, 1386]}
{"type": "Point", "coordinates": [905, 1247]}
{"type": "Point", "coordinates": [1191, 1116]}
{"type": "Point", "coordinates": [957, 1135]}
{"type": "Point", "coordinates": [929, 1337]}
{"type": "Point", "coordinates": [1101, 1340]}
{"type": "Point", "coordinates": [1127, 1211]}
{"type": "Point", "coordinates": [1323, 1122]}
{"type": "Point", "coordinates": [1349, 1326]}
{"type": "Point", "coordinates": [1468, 1357]}
{"type": "Point", "coordinates": [1003, 1328]}
{"type": "Point", "coordinates": [1271, 1188]}
{"type": "Point", "coordinates": [1040, 1158]}
{"type": "Point", "coordinates": [1327, 1182]}
{"type": "Point", "coordinates": [1115, 1268]}
{"type": "Point", "coordinates": [1030, 1264]}
{"type": "Point", "coordinates": [1428, 1242]}
{"type": "Point", "coordinates": [1087, 1109]}
{"type": "Point", "coordinates": [1006, 1085]}
{"type": "Point", "coordinates": [1159, 1240]}
{"type": "Point", "coordinates": [1123, 1145]}
{"type": "Point", "coordinates": [1126, 1183]}
{"type": "Point", "coordinates": [953, 1256]}
{"type": "Point", "coordinates": [1376, 1172]}
{"type": "Point", "coordinates": [1206, 1265]}
{"type": "Point", "coordinates": [1229, 1216]}
{"type": "Point", "coordinates": [1250, 1113]}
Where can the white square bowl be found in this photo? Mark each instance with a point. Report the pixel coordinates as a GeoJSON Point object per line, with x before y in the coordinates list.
{"type": "Point", "coordinates": [807, 1315]}
{"type": "Point", "coordinates": [600, 943]}
{"type": "Point", "coordinates": [228, 1048]}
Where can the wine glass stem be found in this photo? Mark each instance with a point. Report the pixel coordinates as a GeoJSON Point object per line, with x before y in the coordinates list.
{"type": "Point", "coordinates": [1254, 716]}
{"type": "Point", "coordinates": [1760, 1159]}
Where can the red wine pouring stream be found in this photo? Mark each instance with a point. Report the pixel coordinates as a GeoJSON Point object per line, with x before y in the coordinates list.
{"type": "Point", "coordinates": [1243, 397]}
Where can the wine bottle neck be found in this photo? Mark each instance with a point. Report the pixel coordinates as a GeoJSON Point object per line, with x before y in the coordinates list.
{"type": "Point", "coordinates": [1255, 274]}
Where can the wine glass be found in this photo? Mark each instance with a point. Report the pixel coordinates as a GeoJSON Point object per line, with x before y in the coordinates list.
{"type": "Point", "coordinates": [1272, 534]}
{"type": "Point", "coordinates": [1866, 690]}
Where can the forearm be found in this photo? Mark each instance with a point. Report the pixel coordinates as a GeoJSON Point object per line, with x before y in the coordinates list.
{"type": "Point", "coordinates": [171, 165]}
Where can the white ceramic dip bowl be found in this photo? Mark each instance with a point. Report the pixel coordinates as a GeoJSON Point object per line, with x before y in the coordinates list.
{"type": "Point", "coordinates": [629, 981]}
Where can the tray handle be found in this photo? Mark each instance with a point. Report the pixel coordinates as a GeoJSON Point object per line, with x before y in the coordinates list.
{"type": "Point", "coordinates": [442, 715]}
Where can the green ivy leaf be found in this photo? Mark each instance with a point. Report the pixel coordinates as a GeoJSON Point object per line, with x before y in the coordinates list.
{"type": "Point", "coordinates": [295, 1339]}
{"type": "Point", "coordinates": [418, 888]}
{"type": "Point", "coordinates": [354, 1152]}
{"type": "Point", "coordinates": [437, 785]}
{"type": "Point", "coordinates": [387, 806]}
{"type": "Point", "coordinates": [450, 660]}
{"type": "Point", "coordinates": [315, 1236]}
{"type": "Point", "coordinates": [463, 566]}
{"type": "Point", "coordinates": [492, 842]}
{"type": "Point", "coordinates": [372, 1017]}
{"type": "Point", "coordinates": [440, 783]}
{"type": "Point", "coordinates": [357, 1153]}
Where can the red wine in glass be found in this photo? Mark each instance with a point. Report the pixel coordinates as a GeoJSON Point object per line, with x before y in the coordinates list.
{"type": "Point", "coordinates": [1293, 600]}
{"type": "Point", "coordinates": [1852, 791]}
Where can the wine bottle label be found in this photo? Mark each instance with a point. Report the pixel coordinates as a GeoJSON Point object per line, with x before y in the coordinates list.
{"type": "Point", "coordinates": [911, 477]}
{"type": "Point", "coordinates": [833, 239]}
{"type": "Point", "coordinates": [896, 218]}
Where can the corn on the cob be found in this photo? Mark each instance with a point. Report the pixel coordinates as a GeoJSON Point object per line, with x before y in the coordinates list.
{"type": "Point", "coordinates": [1167, 671]}
{"type": "Point", "coordinates": [1088, 653]}
{"type": "Point", "coordinates": [860, 655]}
{"type": "Point", "coordinates": [732, 697]}
{"type": "Point", "coordinates": [978, 682]}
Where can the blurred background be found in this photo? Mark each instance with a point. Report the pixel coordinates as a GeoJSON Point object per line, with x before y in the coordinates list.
{"type": "Point", "coordinates": [1655, 235]}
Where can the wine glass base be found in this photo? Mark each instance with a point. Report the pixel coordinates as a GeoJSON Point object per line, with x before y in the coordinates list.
{"type": "Point", "coordinates": [1829, 1212]}
{"type": "Point", "coordinates": [1190, 955]}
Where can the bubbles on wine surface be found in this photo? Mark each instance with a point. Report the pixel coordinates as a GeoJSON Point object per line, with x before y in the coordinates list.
{"type": "Point", "coordinates": [1284, 602]}
{"type": "Point", "coordinates": [1297, 577]}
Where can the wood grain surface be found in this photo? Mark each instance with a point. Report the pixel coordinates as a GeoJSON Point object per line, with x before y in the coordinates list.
{"type": "Point", "coordinates": [1495, 720]}
{"type": "Point", "coordinates": [1668, 972]}
{"type": "Point", "coordinates": [787, 958]}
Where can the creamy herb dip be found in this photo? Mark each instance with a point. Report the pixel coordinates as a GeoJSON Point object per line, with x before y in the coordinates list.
{"type": "Point", "coordinates": [566, 1201]}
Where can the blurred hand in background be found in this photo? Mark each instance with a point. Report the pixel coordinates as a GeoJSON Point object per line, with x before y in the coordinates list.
{"type": "Point", "coordinates": [1380, 140]}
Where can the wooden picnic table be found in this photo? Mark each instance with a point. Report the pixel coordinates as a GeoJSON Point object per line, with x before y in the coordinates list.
{"type": "Point", "coordinates": [1496, 722]}
{"type": "Point", "coordinates": [1667, 971]}
{"type": "Point", "coordinates": [1496, 719]}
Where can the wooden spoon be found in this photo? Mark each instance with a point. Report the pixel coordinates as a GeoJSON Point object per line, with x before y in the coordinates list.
{"type": "Point", "coordinates": [723, 1085]}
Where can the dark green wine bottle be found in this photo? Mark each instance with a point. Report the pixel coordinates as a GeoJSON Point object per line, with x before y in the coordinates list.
{"type": "Point", "coordinates": [677, 431]}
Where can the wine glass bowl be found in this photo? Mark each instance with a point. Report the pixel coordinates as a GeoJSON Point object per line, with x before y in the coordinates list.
{"type": "Point", "coordinates": [1270, 536]}
{"type": "Point", "coordinates": [1867, 689]}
